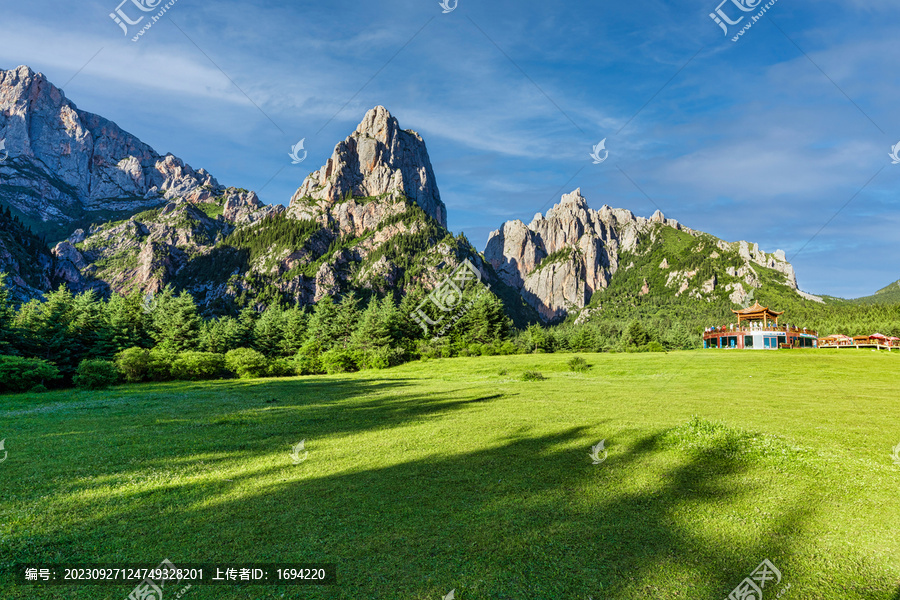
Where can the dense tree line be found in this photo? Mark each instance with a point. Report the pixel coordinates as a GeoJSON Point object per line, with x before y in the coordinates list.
{"type": "Point", "coordinates": [86, 340]}
{"type": "Point", "coordinates": [165, 337]}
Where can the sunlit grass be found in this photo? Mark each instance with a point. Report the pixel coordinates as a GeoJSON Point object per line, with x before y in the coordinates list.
{"type": "Point", "coordinates": [446, 474]}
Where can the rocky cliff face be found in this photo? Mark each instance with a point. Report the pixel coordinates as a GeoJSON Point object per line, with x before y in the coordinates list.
{"type": "Point", "coordinates": [561, 259]}
{"type": "Point", "coordinates": [370, 219]}
{"type": "Point", "coordinates": [66, 167]}
{"type": "Point", "coordinates": [146, 251]}
{"type": "Point", "coordinates": [378, 160]}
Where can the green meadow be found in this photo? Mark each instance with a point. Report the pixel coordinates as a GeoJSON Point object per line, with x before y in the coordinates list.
{"type": "Point", "coordinates": [456, 474]}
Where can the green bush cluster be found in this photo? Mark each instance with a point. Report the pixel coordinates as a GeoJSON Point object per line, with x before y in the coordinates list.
{"type": "Point", "coordinates": [194, 366]}
{"type": "Point", "coordinates": [578, 364]}
{"type": "Point", "coordinates": [95, 374]}
{"type": "Point", "coordinates": [533, 376]}
{"type": "Point", "coordinates": [19, 374]}
{"type": "Point", "coordinates": [246, 363]}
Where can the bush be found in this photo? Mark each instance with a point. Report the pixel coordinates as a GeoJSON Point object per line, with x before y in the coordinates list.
{"type": "Point", "coordinates": [381, 357]}
{"type": "Point", "coordinates": [508, 348]}
{"type": "Point", "coordinates": [432, 348]}
{"type": "Point", "coordinates": [473, 349]}
{"type": "Point", "coordinates": [19, 374]}
{"type": "Point", "coordinates": [533, 376]}
{"type": "Point", "coordinates": [93, 374]}
{"type": "Point", "coordinates": [654, 347]}
{"type": "Point", "coordinates": [246, 363]}
{"type": "Point", "coordinates": [134, 364]}
{"type": "Point", "coordinates": [38, 389]}
{"type": "Point", "coordinates": [338, 360]}
{"type": "Point", "coordinates": [308, 359]}
{"type": "Point", "coordinates": [282, 367]}
{"type": "Point", "coordinates": [193, 366]}
{"type": "Point", "coordinates": [578, 364]}
{"type": "Point", "coordinates": [160, 368]}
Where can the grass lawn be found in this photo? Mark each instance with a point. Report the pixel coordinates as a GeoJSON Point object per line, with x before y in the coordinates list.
{"type": "Point", "coordinates": [456, 474]}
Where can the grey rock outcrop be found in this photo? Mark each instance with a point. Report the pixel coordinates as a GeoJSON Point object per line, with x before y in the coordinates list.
{"type": "Point", "coordinates": [517, 251]}
{"type": "Point", "coordinates": [377, 160]}
{"type": "Point", "coordinates": [68, 167]}
{"type": "Point", "coordinates": [597, 239]}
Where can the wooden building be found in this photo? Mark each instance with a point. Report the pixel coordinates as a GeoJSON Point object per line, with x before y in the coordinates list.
{"type": "Point", "coordinates": [758, 328]}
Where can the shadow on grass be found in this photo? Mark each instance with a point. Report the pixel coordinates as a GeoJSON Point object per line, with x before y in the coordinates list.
{"type": "Point", "coordinates": [491, 523]}
{"type": "Point", "coordinates": [529, 518]}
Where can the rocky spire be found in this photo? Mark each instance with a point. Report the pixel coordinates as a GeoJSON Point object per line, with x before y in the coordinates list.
{"type": "Point", "coordinates": [378, 159]}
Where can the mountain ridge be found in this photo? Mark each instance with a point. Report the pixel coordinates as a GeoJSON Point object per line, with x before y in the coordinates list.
{"type": "Point", "coordinates": [561, 259]}
{"type": "Point", "coordinates": [370, 220]}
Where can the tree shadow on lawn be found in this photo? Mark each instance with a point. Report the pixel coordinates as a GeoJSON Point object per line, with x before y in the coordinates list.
{"type": "Point", "coordinates": [225, 419]}
{"type": "Point", "coordinates": [531, 518]}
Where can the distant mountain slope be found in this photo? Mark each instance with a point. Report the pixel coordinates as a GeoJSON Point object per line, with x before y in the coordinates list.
{"type": "Point", "coordinates": [67, 168]}
{"type": "Point", "coordinates": [886, 295]}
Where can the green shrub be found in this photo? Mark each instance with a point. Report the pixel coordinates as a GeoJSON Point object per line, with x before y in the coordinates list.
{"type": "Point", "coordinates": [282, 367]}
{"type": "Point", "coordinates": [19, 374]}
{"type": "Point", "coordinates": [194, 366]}
{"type": "Point", "coordinates": [161, 364]}
{"type": "Point", "coordinates": [93, 374]}
{"type": "Point", "coordinates": [309, 359]}
{"type": "Point", "coordinates": [432, 348]}
{"type": "Point", "coordinates": [503, 372]}
{"type": "Point", "coordinates": [134, 364]}
{"type": "Point", "coordinates": [474, 349]}
{"type": "Point", "coordinates": [338, 360]}
{"type": "Point", "coordinates": [578, 364]}
{"type": "Point", "coordinates": [246, 363]}
{"type": "Point", "coordinates": [490, 349]}
{"type": "Point", "coordinates": [533, 376]}
{"type": "Point", "coordinates": [507, 348]}
{"type": "Point", "coordinates": [381, 357]}
{"type": "Point", "coordinates": [654, 347]}
{"type": "Point", "coordinates": [38, 389]}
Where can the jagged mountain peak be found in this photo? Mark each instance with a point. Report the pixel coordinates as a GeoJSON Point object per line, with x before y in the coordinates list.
{"type": "Point", "coordinates": [379, 159]}
{"type": "Point", "coordinates": [66, 167]}
{"type": "Point", "coordinates": [560, 259]}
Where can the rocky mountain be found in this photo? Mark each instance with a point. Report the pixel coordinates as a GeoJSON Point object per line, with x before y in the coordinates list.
{"type": "Point", "coordinates": [64, 168]}
{"type": "Point", "coordinates": [561, 259]}
{"type": "Point", "coordinates": [147, 250]}
{"type": "Point", "coordinates": [378, 160]}
{"type": "Point", "coordinates": [370, 220]}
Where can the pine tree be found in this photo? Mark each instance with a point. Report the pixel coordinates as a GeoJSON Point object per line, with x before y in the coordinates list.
{"type": "Point", "coordinates": [123, 323]}
{"type": "Point", "coordinates": [635, 335]}
{"type": "Point", "coordinates": [323, 324]}
{"type": "Point", "coordinates": [47, 330]}
{"type": "Point", "coordinates": [374, 329]}
{"type": "Point", "coordinates": [87, 327]}
{"type": "Point", "coordinates": [175, 324]}
{"type": "Point", "coordinates": [268, 332]}
{"type": "Point", "coordinates": [7, 318]}
{"type": "Point", "coordinates": [294, 334]}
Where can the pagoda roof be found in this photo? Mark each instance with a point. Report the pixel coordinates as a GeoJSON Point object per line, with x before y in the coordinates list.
{"type": "Point", "coordinates": [756, 309]}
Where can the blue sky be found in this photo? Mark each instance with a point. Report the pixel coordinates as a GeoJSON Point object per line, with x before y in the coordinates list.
{"type": "Point", "coordinates": [781, 138]}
